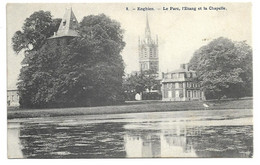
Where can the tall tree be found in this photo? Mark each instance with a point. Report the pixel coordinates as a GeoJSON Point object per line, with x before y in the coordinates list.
{"type": "Point", "coordinates": [35, 31]}
{"type": "Point", "coordinates": [224, 68]}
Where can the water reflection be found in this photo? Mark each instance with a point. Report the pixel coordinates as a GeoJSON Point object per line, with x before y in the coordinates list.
{"type": "Point", "coordinates": [229, 141]}
{"type": "Point", "coordinates": [14, 143]}
{"type": "Point", "coordinates": [81, 141]}
{"type": "Point", "coordinates": [76, 137]}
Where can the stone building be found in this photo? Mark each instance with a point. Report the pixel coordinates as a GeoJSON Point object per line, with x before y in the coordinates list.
{"type": "Point", "coordinates": [179, 85]}
{"type": "Point", "coordinates": [148, 51]}
{"type": "Point", "coordinates": [12, 98]}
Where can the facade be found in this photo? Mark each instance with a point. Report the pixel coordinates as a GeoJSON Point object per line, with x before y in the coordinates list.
{"type": "Point", "coordinates": [180, 86]}
{"type": "Point", "coordinates": [12, 98]}
{"type": "Point", "coordinates": [148, 51]}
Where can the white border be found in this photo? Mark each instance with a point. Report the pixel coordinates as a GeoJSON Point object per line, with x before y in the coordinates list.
{"type": "Point", "coordinates": [3, 115]}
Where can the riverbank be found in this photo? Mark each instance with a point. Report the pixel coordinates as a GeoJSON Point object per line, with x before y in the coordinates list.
{"type": "Point", "coordinates": [133, 107]}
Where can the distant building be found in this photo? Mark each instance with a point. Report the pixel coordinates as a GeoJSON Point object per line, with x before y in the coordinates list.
{"type": "Point", "coordinates": [12, 98]}
{"type": "Point", "coordinates": [148, 51]}
{"type": "Point", "coordinates": [179, 85]}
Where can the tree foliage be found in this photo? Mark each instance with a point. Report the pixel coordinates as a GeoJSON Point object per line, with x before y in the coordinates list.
{"type": "Point", "coordinates": [138, 83]}
{"type": "Point", "coordinates": [224, 68]}
{"type": "Point", "coordinates": [83, 71]}
{"type": "Point", "coordinates": [36, 29]}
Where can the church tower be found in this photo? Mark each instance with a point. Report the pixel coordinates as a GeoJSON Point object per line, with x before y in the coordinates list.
{"type": "Point", "coordinates": [148, 51]}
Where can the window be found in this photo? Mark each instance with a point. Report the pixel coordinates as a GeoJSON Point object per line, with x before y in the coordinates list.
{"type": "Point", "coordinates": [151, 52]}
{"type": "Point", "coordinates": [174, 75]}
{"type": "Point", "coordinates": [181, 85]}
{"type": "Point", "coordinates": [189, 94]}
{"type": "Point", "coordinates": [195, 94]}
{"type": "Point", "coordinates": [181, 94]}
{"type": "Point", "coordinates": [165, 94]}
{"type": "Point", "coordinates": [176, 85]}
{"type": "Point", "coordinates": [188, 84]}
{"type": "Point", "coordinates": [168, 85]}
{"type": "Point", "coordinates": [64, 22]}
{"type": "Point", "coordinates": [170, 94]}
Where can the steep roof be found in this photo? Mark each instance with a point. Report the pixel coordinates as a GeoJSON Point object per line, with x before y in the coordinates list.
{"type": "Point", "coordinates": [68, 25]}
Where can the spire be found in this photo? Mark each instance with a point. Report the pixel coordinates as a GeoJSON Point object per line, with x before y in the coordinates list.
{"type": "Point", "coordinates": [68, 25]}
{"type": "Point", "coordinates": [147, 29]}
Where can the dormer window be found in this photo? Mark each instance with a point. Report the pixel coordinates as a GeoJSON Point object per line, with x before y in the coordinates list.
{"type": "Point", "coordinates": [64, 22]}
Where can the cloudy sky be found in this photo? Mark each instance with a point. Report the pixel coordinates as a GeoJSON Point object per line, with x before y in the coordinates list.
{"type": "Point", "coordinates": [180, 32]}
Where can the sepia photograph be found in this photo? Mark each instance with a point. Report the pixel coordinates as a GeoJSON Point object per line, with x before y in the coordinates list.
{"type": "Point", "coordinates": [129, 80]}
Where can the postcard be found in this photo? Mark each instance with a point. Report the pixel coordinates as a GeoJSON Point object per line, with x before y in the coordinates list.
{"type": "Point", "coordinates": [129, 80]}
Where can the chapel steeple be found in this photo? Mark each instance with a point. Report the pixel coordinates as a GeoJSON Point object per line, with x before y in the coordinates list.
{"type": "Point", "coordinates": [148, 51]}
{"type": "Point", "coordinates": [147, 29]}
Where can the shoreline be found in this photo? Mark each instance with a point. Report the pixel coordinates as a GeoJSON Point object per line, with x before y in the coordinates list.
{"type": "Point", "coordinates": [138, 107]}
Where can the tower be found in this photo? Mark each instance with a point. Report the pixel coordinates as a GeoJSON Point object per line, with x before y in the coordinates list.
{"type": "Point", "coordinates": [148, 51]}
{"type": "Point", "coordinates": [67, 28]}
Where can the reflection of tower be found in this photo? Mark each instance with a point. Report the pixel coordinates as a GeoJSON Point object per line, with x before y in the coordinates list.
{"type": "Point", "coordinates": [14, 144]}
{"type": "Point", "coordinates": [175, 143]}
{"type": "Point", "coordinates": [148, 51]}
{"type": "Point", "coordinates": [151, 146]}
{"type": "Point", "coordinates": [133, 146]}
{"type": "Point", "coordinates": [147, 145]}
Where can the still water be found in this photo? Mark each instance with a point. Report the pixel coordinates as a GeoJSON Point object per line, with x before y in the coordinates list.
{"type": "Point", "coordinates": [220, 133]}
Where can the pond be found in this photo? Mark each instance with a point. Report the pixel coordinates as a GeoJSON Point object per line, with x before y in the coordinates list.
{"type": "Point", "coordinates": [214, 133]}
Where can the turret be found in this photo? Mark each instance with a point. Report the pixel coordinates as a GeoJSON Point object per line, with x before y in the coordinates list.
{"type": "Point", "coordinates": [68, 26]}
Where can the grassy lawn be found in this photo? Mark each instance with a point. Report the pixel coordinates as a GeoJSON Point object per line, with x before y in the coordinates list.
{"type": "Point", "coordinates": [133, 107]}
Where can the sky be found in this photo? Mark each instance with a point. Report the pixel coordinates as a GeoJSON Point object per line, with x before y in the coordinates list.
{"type": "Point", "coordinates": [180, 32]}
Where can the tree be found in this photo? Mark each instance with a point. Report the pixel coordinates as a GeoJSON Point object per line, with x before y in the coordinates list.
{"type": "Point", "coordinates": [139, 83]}
{"type": "Point", "coordinates": [85, 71]}
{"type": "Point", "coordinates": [224, 68]}
{"type": "Point", "coordinates": [36, 29]}
{"type": "Point", "coordinates": [97, 53]}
